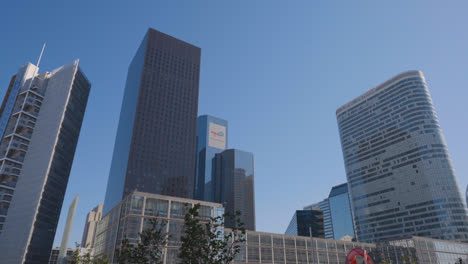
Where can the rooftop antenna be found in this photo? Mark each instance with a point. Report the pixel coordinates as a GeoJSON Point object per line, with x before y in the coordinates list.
{"type": "Point", "coordinates": [37, 66]}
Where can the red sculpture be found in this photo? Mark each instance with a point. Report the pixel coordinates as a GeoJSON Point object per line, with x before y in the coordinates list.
{"type": "Point", "coordinates": [351, 257]}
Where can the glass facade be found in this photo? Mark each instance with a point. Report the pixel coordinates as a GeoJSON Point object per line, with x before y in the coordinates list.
{"type": "Point", "coordinates": [340, 210]}
{"type": "Point", "coordinates": [234, 171]}
{"type": "Point", "coordinates": [324, 206]}
{"type": "Point", "coordinates": [304, 222]}
{"type": "Point", "coordinates": [212, 136]}
{"type": "Point", "coordinates": [401, 178]}
{"type": "Point", "coordinates": [155, 146]}
{"type": "Point", "coordinates": [36, 156]}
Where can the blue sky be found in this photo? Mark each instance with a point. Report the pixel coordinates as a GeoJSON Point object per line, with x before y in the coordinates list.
{"type": "Point", "coordinates": [276, 70]}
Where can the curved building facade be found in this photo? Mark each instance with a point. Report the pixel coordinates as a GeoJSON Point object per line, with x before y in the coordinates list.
{"type": "Point", "coordinates": [400, 176]}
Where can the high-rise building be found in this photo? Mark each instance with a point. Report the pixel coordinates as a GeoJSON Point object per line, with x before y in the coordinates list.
{"type": "Point", "coordinates": [89, 231]}
{"type": "Point", "coordinates": [67, 231]}
{"type": "Point", "coordinates": [54, 255]}
{"type": "Point", "coordinates": [401, 178]}
{"type": "Point", "coordinates": [43, 115]}
{"type": "Point", "coordinates": [155, 146]}
{"type": "Point", "coordinates": [324, 206]}
{"type": "Point", "coordinates": [212, 137]}
{"type": "Point", "coordinates": [340, 211]}
{"type": "Point", "coordinates": [234, 171]}
{"type": "Point", "coordinates": [304, 222]}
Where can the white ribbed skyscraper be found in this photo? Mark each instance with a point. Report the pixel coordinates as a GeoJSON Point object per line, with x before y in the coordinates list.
{"type": "Point", "coordinates": [400, 176]}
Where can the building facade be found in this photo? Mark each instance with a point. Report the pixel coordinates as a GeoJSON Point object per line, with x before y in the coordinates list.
{"type": "Point", "coordinates": [234, 171]}
{"type": "Point", "coordinates": [44, 113]}
{"type": "Point", "coordinates": [128, 218]}
{"type": "Point", "coordinates": [155, 146]}
{"type": "Point", "coordinates": [324, 206]}
{"type": "Point", "coordinates": [402, 181]}
{"type": "Point", "coordinates": [131, 216]}
{"type": "Point", "coordinates": [89, 231]}
{"type": "Point", "coordinates": [307, 223]}
{"type": "Point", "coordinates": [53, 259]}
{"type": "Point", "coordinates": [212, 135]}
{"type": "Point", "coordinates": [340, 211]}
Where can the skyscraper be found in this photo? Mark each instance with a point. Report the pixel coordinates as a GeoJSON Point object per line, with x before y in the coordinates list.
{"type": "Point", "coordinates": [89, 231]}
{"type": "Point", "coordinates": [402, 181]}
{"type": "Point", "coordinates": [340, 211]}
{"type": "Point", "coordinates": [211, 139]}
{"type": "Point", "coordinates": [304, 222]}
{"type": "Point", "coordinates": [234, 171]}
{"type": "Point", "coordinates": [155, 146]}
{"type": "Point", "coordinates": [41, 118]}
{"type": "Point", "coordinates": [66, 233]}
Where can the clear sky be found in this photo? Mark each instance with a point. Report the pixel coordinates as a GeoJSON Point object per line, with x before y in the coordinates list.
{"type": "Point", "coordinates": [276, 70]}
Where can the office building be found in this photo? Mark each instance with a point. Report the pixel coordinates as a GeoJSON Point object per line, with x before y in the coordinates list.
{"type": "Point", "coordinates": [54, 255]}
{"type": "Point", "coordinates": [131, 216]}
{"type": "Point", "coordinates": [324, 206]}
{"type": "Point", "coordinates": [128, 218]}
{"type": "Point", "coordinates": [306, 223]}
{"type": "Point", "coordinates": [212, 138]}
{"type": "Point", "coordinates": [402, 181]}
{"type": "Point", "coordinates": [234, 171]}
{"type": "Point", "coordinates": [340, 211]}
{"type": "Point", "coordinates": [155, 146]}
{"type": "Point", "coordinates": [89, 231]}
{"type": "Point", "coordinates": [36, 154]}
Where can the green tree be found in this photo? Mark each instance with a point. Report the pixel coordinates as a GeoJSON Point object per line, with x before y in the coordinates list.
{"type": "Point", "coordinates": [207, 243]}
{"type": "Point", "coordinates": [86, 258]}
{"type": "Point", "coordinates": [149, 248]}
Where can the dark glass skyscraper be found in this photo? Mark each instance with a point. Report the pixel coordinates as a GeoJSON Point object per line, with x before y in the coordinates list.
{"type": "Point", "coordinates": [305, 221]}
{"type": "Point", "coordinates": [155, 146]}
{"type": "Point", "coordinates": [400, 176]}
{"type": "Point", "coordinates": [211, 139]}
{"type": "Point", "coordinates": [234, 172]}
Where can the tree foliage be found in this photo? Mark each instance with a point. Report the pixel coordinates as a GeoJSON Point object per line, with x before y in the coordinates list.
{"type": "Point", "coordinates": [206, 242]}
{"type": "Point", "coordinates": [149, 248]}
{"type": "Point", "coordinates": [78, 258]}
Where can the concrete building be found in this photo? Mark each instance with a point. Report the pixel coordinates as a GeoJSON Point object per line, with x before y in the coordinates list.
{"type": "Point", "coordinates": [66, 233]}
{"type": "Point", "coordinates": [130, 216]}
{"type": "Point", "coordinates": [40, 123]}
{"type": "Point", "coordinates": [89, 231]}
{"type": "Point", "coordinates": [402, 181]}
{"type": "Point", "coordinates": [307, 223]}
{"type": "Point", "coordinates": [212, 138]}
{"type": "Point", "coordinates": [234, 173]}
{"type": "Point", "coordinates": [155, 146]}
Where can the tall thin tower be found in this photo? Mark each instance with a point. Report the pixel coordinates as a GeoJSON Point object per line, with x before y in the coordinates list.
{"type": "Point", "coordinates": [40, 122]}
{"type": "Point", "coordinates": [66, 232]}
{"type": "Point", "coordinates": [155, 146]}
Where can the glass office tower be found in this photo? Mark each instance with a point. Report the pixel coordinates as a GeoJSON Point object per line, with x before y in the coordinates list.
{"type": "Point", "coordinates": [340, 210]}
{"type": "Point", "coordinates": [43, 115]}
{"type": "Point", "coordinates": [234, 171]}
{"type": "Point", "coordinates": [155, 146]}
{"type": "Point", "coordinates": [402, 181]}
{"type": "Point", "coordinates": [304, 222]}
{"type": "Point", "coordinates": [324, 206]}
{"type": "Point", "coordinates": [212, 137]}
